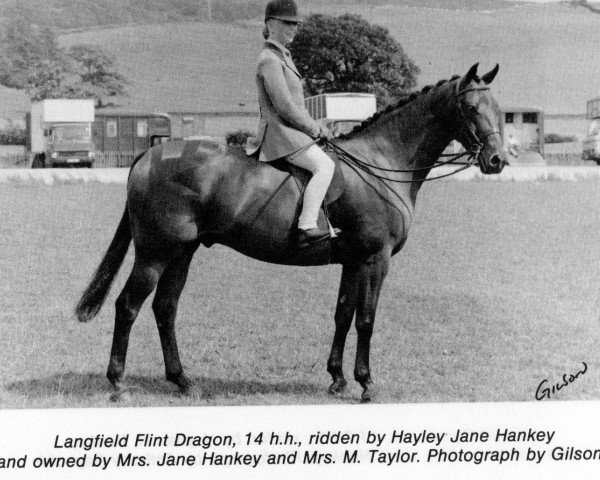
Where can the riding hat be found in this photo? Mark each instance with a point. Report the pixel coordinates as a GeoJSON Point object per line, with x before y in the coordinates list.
{"type": "Point", "coordinates": [285, 10]}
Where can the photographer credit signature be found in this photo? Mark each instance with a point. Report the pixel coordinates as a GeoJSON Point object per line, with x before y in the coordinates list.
{"type": "Point", "coordinates": [545, 390]}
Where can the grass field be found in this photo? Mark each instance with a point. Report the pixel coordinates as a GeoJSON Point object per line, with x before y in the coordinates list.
{"type": "Point", "coordinates": [498, 288]}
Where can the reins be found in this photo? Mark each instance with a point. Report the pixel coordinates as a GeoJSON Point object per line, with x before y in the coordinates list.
{"type": "Point", "coordinates": [472, 154]}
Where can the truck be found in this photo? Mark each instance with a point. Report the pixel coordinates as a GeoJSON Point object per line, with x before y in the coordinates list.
{"type": "Point", "coordinates": [591, 142]}
{"type": "Point", "coordinates": [341, 112]}
{"type": "Point", "coordinates": [59, 133]}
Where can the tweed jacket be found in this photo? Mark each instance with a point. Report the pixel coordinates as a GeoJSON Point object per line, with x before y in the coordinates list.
{"type": "Point", "coordinates": [285, 126]}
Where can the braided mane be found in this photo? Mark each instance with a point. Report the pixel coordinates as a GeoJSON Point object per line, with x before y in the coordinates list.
{"type": "Point", "coordinates": [390, 108]}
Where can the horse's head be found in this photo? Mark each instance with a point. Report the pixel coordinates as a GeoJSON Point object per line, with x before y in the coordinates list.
{"type": "Point", "coordinates": [478, 115]}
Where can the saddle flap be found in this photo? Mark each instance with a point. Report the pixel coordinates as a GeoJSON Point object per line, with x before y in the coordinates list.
{"type": "Point", "coordinates": [301, 176]}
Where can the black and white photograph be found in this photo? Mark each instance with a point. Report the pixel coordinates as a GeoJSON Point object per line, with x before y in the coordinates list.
{"type": "Point", "coordinates": [300, 205]}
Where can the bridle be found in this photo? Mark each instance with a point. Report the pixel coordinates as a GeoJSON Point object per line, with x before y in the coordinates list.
{"type": "Point", "coordinates": [472, 151]}
{"type": "Point", "coordinates": [475, 143]}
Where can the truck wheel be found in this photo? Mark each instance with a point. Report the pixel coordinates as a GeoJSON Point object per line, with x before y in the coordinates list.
{"type": "Point", "coordinates": [38, 162]}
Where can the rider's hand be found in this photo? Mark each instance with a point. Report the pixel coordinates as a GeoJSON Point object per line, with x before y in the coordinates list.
{"type": "Point", "coordinates": [325, 133]}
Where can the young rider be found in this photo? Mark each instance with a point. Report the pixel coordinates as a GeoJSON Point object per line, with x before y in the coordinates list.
{"type": "Point", "coordinates": [286, 129]}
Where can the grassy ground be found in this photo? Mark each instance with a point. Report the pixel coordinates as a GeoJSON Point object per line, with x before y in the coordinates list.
{"type": "Point", "coordinates": [497, 289]}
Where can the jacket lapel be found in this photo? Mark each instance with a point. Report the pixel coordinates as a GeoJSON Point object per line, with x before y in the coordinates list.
{"type": "Point", "coordinates": [287, 59]}
{"type": "Point", "coordinates": [290, 64]}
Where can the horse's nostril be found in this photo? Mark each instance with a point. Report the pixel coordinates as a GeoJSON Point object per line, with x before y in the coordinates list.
{"type": "Point", "coordinates": [495, 161]}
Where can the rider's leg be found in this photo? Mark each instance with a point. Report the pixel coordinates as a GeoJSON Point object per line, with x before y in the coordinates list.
{"type": "Point", "coordinates": [317, 162]}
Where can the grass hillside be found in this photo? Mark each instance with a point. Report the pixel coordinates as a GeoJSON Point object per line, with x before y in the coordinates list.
{"type": "Point", "coordinates": [547, 53]}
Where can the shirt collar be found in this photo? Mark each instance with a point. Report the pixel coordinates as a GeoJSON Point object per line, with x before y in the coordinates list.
{"type": "Point", "coordinates": [278, 45]}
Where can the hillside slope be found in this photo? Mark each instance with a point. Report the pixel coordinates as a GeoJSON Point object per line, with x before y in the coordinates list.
{"type": "Point", "coordinates": [547, 54]}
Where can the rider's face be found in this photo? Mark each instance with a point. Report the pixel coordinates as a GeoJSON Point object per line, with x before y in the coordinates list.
{"type": "Point", "coordinates": [283, 31]}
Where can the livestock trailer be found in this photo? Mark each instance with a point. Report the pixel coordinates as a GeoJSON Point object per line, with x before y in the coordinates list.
{"type": "Point", "coordinates": [119, 136]}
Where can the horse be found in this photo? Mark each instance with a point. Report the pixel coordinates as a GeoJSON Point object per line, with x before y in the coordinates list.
{"type": "Point", "coordinates": [182, 194]}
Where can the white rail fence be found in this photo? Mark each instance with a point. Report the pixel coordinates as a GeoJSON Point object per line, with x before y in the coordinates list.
{"type": "Point", "coordinates": [527, 174]}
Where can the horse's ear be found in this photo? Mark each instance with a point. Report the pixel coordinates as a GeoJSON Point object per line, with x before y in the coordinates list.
{"type": "Point", "coordinates": [471, 75]}
{"type": "Point", "coordinates": [489, 76]}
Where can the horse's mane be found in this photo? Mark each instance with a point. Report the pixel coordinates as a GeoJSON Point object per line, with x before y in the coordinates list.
{"type": "Point", "coordinates": [390, 108]}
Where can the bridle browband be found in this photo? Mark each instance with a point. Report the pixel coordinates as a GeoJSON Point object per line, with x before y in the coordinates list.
{"type": "Point", "coordinates": [472, 151]}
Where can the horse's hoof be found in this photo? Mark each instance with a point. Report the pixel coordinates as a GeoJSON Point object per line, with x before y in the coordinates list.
{"type": "Point", "coordinates": [366, 397]}
{"type": "Point", "coordinates": [185, 390]}
{"type": "Point", "coordinates": [182, 382]}
{"type": "Point", "coordinates": [121, 396]}
{"type": "Point", "coordinates": [338, 386]}
{"type": "Point", "coordinates": [368, 394]}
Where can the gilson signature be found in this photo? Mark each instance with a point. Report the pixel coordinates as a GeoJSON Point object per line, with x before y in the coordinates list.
{"type": "Point", "coordinates": [544, 390]}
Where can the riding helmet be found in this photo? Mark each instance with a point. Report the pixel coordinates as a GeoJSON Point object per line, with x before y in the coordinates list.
{"type": "Point", "coordinates": [285, 10]}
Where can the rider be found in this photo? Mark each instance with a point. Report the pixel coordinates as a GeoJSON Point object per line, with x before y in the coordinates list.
{"type": "Point", "coordinates": [286, 129]}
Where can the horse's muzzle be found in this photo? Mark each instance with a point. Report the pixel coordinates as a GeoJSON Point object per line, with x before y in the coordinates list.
{"type": "Point", "coordinates": [495, 164]}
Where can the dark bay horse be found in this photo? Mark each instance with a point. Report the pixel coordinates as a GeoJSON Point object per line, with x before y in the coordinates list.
{"type": "Point", "coordinates": [181, 195]}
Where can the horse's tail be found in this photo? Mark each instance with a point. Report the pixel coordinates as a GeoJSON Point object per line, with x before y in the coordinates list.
{"type": "Point", "coordinates": [92, 299]}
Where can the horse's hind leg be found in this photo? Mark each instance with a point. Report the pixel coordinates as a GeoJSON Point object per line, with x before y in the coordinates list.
{"type": "Point", "coordinates": [165, 303]}
{"type": "Point", "coordinates": [139, 285]}
{"type": "Point", "coordinates": [344, 312]}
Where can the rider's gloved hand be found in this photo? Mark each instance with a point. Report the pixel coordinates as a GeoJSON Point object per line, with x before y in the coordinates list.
{"type": "Point", "coordinates": [325, 133]}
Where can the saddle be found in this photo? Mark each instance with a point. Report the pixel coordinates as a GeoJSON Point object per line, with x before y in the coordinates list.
{"type": "Point", "coordinates": [301, 176]}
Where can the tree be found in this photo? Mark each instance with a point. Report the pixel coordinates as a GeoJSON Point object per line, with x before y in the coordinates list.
{"type": "Point", "coordinates": [25, 51]}
{"type": "Point", "coordinates": [347, 54]}
{"type": "Point", "coordinates": [32, 59]}
{"type": "Point", "coordinates": [97, 73]}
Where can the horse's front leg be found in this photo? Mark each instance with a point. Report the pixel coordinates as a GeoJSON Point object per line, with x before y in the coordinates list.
{"type": "Point", "coordinates": [370, 280]}
{"type": "Point", "coordinates": [344, 312]}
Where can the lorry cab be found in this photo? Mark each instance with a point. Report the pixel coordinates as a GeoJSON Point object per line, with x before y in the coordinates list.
{"type": "Point", "coordinates": [341, 112]}
{"type": "Point", "coordinates": [69, 143]}
{"type": "Point", "coordinates": [591, 142]}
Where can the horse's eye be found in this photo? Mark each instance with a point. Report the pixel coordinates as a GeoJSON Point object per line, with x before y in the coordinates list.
{"type": "Point", "coordinates": [473, 109]}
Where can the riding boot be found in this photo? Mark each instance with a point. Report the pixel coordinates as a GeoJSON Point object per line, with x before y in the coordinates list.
{"type": "Point", "coordinates": [314, 235]}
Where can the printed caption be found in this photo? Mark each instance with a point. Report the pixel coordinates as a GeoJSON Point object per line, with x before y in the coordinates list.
{"type": "Point", "coordinates": [250, 450]}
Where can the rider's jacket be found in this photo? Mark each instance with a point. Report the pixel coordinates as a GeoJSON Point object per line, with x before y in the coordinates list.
{"type": "Point", "coordinates": [285, 126]}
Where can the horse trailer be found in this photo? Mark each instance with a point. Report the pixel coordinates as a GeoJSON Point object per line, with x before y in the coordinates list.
{"type": "Point", "coordinates": [119, 136]}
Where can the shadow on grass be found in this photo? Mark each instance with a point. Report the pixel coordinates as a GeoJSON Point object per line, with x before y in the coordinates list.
{"type": "Point", "coordinates": [85, 385]}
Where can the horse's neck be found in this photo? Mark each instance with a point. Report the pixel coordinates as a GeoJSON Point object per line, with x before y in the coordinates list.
{"type": "Point", "coordinates": [412, 137]}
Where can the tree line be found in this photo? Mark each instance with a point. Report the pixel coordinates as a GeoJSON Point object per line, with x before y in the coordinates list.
{"type": "Point", "coordinates": [31, 59]}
